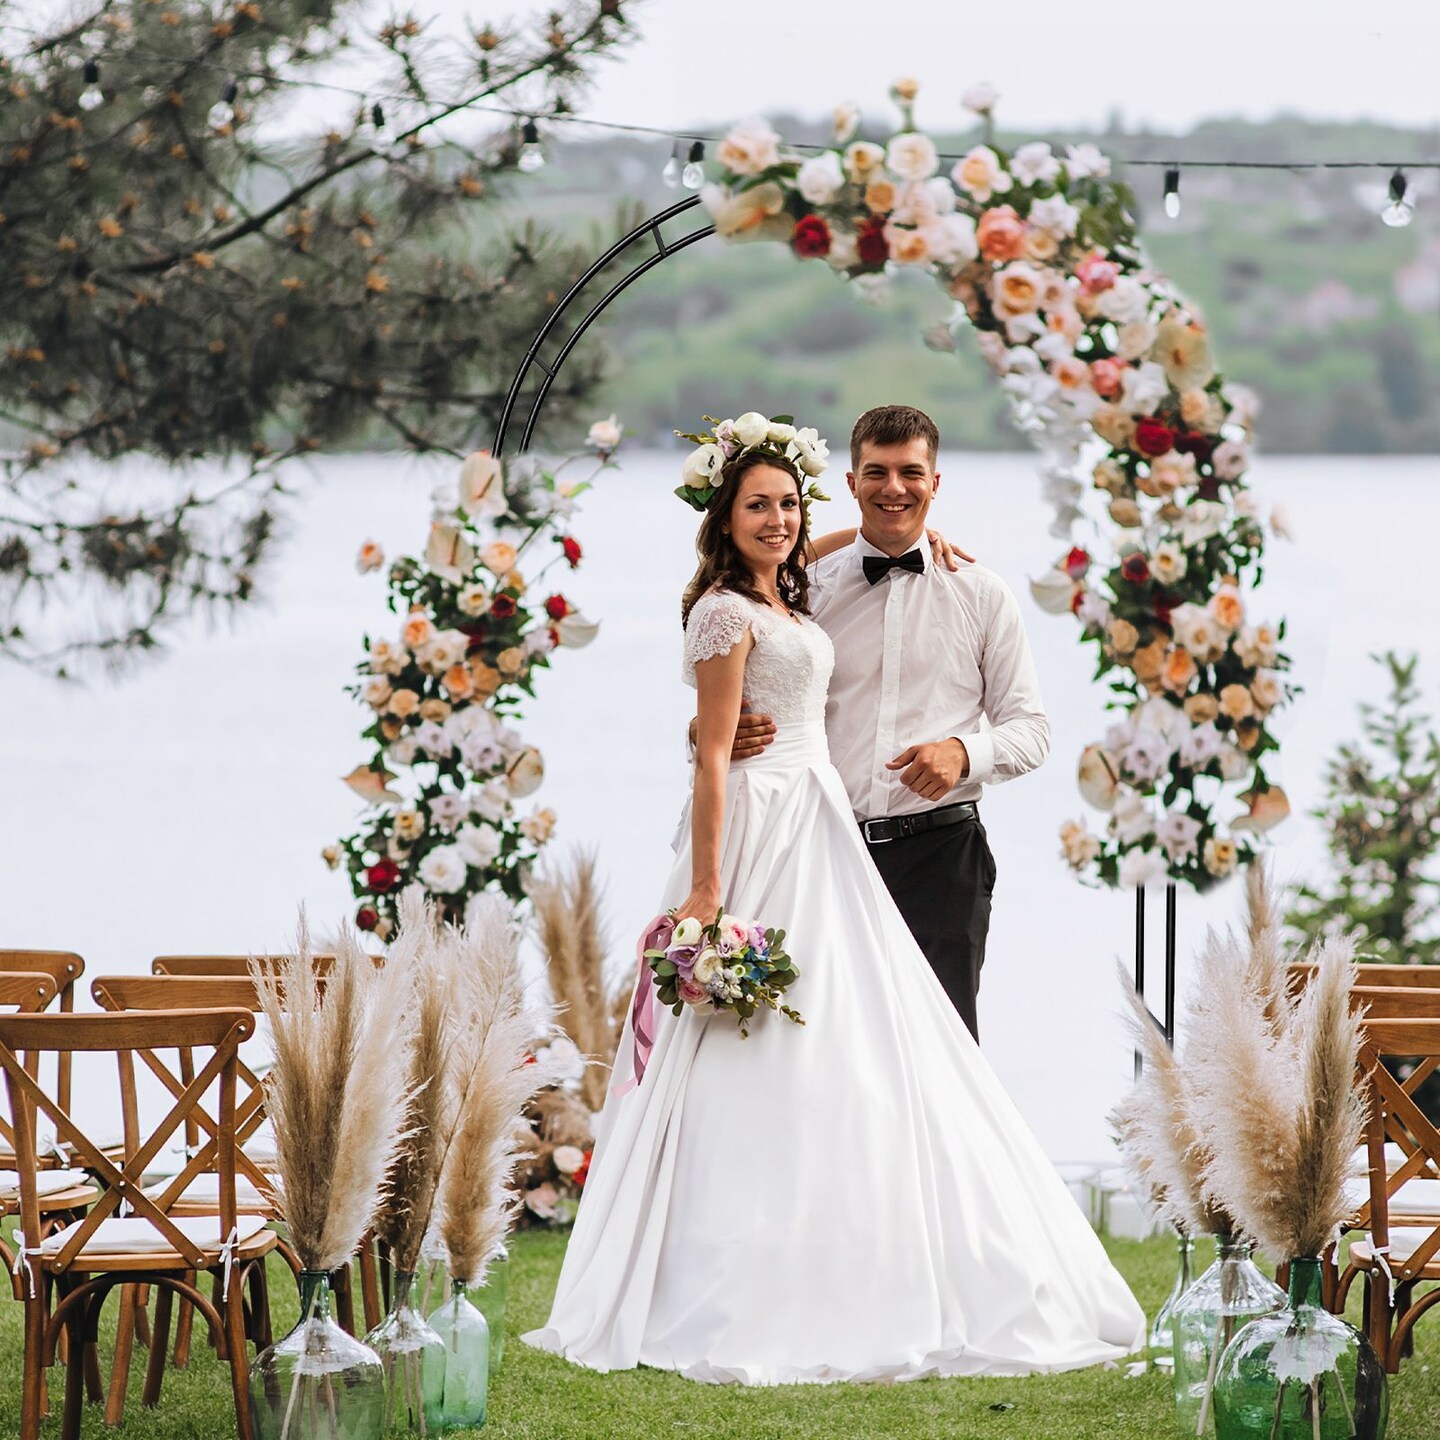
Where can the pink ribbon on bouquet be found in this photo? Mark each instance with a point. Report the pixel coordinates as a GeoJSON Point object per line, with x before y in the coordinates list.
{"type": "Point", "coordinates": [656, 936]}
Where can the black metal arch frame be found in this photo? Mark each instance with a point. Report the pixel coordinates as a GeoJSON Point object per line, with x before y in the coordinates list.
{"type": "Point", "coordinates": [646, 235]}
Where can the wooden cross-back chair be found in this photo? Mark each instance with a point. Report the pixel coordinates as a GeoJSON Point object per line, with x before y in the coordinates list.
{"type": "Point", "coordinates": [1401, 1250]}
{"type": "Point", "coordinates": [1420, 977]}
{"type": "Point", "coordinates": [219, 966]}
{"type": "Point", "coordinates": [63, 967]}
{"type": "Point", "coordinates": [128, 1237]}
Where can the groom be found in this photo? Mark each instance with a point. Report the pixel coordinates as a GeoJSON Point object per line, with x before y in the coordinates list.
{"type": "Point", "coordinates": [934, 696]}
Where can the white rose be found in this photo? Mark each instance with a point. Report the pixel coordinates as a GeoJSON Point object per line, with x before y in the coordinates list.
{"type": "Point", "coordinates": [981, 174]}
{"type": "Point", "coordinates": [940, 195]}
{"type": "Point", "coordinates": [1258, 645]}
{"type": "Point", "coordinates": [912, 156]}
{"type": "Point", "coordinates": [1168, 562]}
{"type": "Point", "coordinates": [1056, 215]}
{"type": "Point", "coordinates": [480, 752]}
{"type": "Point", "coordinates": [1126, 302]}
{"type": "Point", "coordinates": [482, 485]}
{"type": "Point", "coordinates": [479, 844]}
{"type": "Point", "coordinates": [1219, 856]}
{"type": "Point", "coordinates": [1136, 339]}
{"type": "Point", "coordinates": [473, 600]}
{"type": "Point", "coordinates": [1130, 818]}
{"type": "Point", "coordinates": [1143, 388]}
{"type": "Point", "coordinates": [1083, 161]}
{"type": "Point", "coordinates": [707, 965]}
{"type": "Point", "coordinates": [751, 428]}
{"type": "Point", "coordinates": [446, 648]}
{"type": "Point", "coordinates": [1139, 867]}
{"type": "Point", "coordinates": [403, 750]}
{"type": "Point", "coordinates": [1200, 746]}
{"type": "Point", "coordinates": [1033, 164]}
{"type": "Point", "coordinates": [492, 800]}
{"type": "Point", "coordinates": [1201, 520]}
{"type": "Point", "coordinates": [604, 434]}
{"type": "Point", "coordinates": [750, 148]}
{"type": "Point", "coordinates": [702, 466]}
{"type": "Point", "coordinates": [980, 98]}
{"type": "Point", "coordinates": [1147, 756]}
{"type": "Point", "coordinates": [820, 178]}
{"type": "Point", "coordinates": [1177, 834]}
{"type": "Point", "coordinates": [952, 241]}
{"type": "Point", "coordinates": [862, 160]}
{"type": "Point", "coordinates": [568, 1158]}
{"type": "Point", "coordinates": [1230, 460]}
{"type": "Point", "coordinates": [433, 740]}
{"type": "Point", "coordinates": [844, 250]}
{"type": "Point", "coordinates": [844, 122]}
{"type": "Point", "coordinates": [780, 433]}
{"type": "Point", "coordinates": [448, 810]}
{"type": "Point", "coordinates": [687, 931]}
{"type": "Point", "coordinates": [443, 870]}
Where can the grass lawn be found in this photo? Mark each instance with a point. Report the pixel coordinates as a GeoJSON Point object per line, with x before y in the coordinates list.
{"type": "Point", "coordinates": [538, 1397]}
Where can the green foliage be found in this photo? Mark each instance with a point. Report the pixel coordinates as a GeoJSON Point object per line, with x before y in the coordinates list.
{"type": "Point", "coordinates": [1382, 817]}
{"type": "Point", "coordinates": [189, 274]}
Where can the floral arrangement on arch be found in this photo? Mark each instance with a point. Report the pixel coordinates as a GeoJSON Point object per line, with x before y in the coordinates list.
{"type": "Point", "coordinates": [1110, 372]}
{"type": "Point", "coordinates": [447, 767]}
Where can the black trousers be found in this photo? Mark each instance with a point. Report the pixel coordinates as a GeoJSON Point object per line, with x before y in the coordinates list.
{"type": "Point", "coordinates": [942, 882]}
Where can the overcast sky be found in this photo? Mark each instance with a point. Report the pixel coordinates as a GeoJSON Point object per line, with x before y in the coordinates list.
{"type": "Point", "coordinates": [1055, 62]}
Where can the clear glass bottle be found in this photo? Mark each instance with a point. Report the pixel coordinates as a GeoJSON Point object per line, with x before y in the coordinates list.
{"type": "Point", "coordinates": [1301, 1374]}
{"type": "Point", "coordinates": [466, 1337]}
{"type": "Point", "coordinates": [413, 1356]}
{"type": "Point", "coordinates": [490, 1298]}
{"type": "Point", "coordinates": [1161, 1347]}
{"type": "Point", "coordinates": [1206, 1317]}
{"type": "Point", "coordinates": [318, 1381]}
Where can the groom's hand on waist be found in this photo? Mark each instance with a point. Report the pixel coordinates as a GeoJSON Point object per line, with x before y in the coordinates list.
{"type": "Point", "coordinates": [932, 771]}
{"type": "Point", "coordinates": [753, 732]}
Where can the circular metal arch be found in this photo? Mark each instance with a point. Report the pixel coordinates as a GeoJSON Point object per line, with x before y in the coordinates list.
{"type": "Point", "coordinates": [645, 260]}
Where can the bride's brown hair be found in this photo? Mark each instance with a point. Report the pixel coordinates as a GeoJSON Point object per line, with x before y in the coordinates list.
{"type": "Point", "coordinates": [721, 567]}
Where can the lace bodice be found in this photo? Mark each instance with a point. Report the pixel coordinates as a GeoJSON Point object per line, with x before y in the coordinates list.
{"type": "Point", "coordinates": [788, 671]}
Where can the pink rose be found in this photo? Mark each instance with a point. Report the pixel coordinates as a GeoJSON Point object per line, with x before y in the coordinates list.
{"type": "Point", "coordinates": [692, 992]}
{"type": "Point", "coordinates": [1001, 234]}
{"type": "Point", "coordinates": [1107, 378]}
{"type": "Point", "coordinates": [1096, 274]}
{"type": "Point", "coordinates": [734, 935]}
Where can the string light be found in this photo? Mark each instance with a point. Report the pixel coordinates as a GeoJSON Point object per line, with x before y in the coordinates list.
{"type": "Point", "coordinates": [532, 156]}
{"type": "Point", "coordinates": [222, 112]}
{"type": "Point", "coordinates": [694, 175]}
{"type": "Point", "coordinates": [671, 173]}
{"type": "Point", "coordinates": [1172, 192]}
{"type": "Point", "coordinates": [92, 95]}
{"type": "Point", "coordinates": [1401, 209]}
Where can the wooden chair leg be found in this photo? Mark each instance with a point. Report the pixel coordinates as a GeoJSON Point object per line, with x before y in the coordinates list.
{"type": "Point", "coordinates": [344, 1293]}
{"type": "Point", "coordinates": [233, 1312]}
{"type": "Point", "coordinates": [75, 1373]}
{"type": "Point", "coordinates": [32, 1392]}
{"type": "Point", "coordinates": [184, 1327]}
{"type": "Point", "coordinates": [369, 1283]}
{"type": "Point", "coordinates": [159, 1343]}
{"type": "Point", "coordinates": [124, 1349]}
{"type": "Point", "coordinates": [142, 1314]}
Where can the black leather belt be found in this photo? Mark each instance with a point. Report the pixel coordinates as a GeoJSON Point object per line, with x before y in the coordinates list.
{"type": "Point", "coordinates": [895, 827]}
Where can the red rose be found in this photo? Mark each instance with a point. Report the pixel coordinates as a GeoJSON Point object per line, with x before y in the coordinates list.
{"type": "Point", "coordinates": [1076, 563]}
{"type": "Point", "coordinates": [571, 547]}
{"type": "Point", "coordinates": [1193, 442]}
{"type": "Point", "coordinates": [383, 876]}
{"type": "Point", "coordinates": [811, 237]}
{"type": "Point", "coordinates": [366, 918]}
{"type": "Point", "coordinates": [579, 1176]}
{"type": "Point", "coordinates": [870, 242]}
{"type": "Point", "coordinates": [1154, 437]}
{"type": "Point", "coordinates": [557, 607]}
{"type": "Point", "coordinates": [502, 607]}
{"type": "Point", "coordinates": [1134, 568]}
{"type": "Point", "coordinates": [1163, 613]}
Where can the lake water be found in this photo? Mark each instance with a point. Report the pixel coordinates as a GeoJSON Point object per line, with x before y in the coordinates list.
{"type": "Point", "coordinates": [183, 809]}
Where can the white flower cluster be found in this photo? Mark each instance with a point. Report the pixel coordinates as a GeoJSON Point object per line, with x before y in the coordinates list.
{"type": "Point", "coordinates": [700, 473]}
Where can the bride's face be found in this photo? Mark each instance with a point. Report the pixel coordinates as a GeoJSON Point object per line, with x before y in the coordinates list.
{"type": "Point", "coordinates": [765, 518]}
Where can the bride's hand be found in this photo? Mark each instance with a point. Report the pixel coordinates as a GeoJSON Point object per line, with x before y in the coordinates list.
{"type": "Point", "coordinates": [703, 904]}
{"type": "Point", "coordinates": [944, 553]}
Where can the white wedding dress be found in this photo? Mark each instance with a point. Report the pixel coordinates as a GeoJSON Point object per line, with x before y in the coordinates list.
{"type": "Point", "coordinates": [855, 1199]}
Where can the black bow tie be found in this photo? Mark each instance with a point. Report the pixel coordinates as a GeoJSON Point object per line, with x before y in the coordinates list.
{"type": "Point", "coordinates": [877, 567]}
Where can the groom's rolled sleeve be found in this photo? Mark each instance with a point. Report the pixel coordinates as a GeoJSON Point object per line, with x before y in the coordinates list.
{"type": "Point", "coordinates": [1018, 739]}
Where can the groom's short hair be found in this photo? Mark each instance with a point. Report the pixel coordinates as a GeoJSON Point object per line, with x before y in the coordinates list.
{"type": "Point", "coordinates": [893, 425]}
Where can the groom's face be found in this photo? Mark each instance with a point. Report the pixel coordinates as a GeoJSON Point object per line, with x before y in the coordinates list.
{"type": "Point", "coordinates": [894, 487]}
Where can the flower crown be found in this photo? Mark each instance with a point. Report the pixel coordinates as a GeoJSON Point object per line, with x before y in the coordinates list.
{"type": "Point", "coordinates": [777, 435]}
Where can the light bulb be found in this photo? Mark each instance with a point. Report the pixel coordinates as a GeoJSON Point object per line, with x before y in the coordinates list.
{"type": "Point", "coordinates": [1400, 210]}
{"type": "Point", "coordinates": [694, 175]}
{"type": "Point", "coordinates": [92, 95]}
{"type": "Point", "coordinates": [532, 156]}
{"type": "Point", "coordinates": [222, 112]}
{"type": "Point", "coordinates": [671, 173]}
{"type": "Point", "coordinates": [1172, 192]}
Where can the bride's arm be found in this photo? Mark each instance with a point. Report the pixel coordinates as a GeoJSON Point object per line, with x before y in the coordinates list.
{"type": "Point", "coordinates": [822, 545]}
{"type": "Point", "coordinates": [719, 682]}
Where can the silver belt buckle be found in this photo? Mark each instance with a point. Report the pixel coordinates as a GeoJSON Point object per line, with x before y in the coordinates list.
{"type": "Point", "coordinates": [865, 830]}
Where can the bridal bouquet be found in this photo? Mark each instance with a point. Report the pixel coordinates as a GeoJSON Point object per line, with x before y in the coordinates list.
{"type": "Point", "coordinates": [729, 964]}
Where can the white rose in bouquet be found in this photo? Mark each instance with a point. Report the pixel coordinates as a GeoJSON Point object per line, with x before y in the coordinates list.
{"type": "Point", "coordinates": [702, 466]}
{"type": "Point", "coordinates": [604, 434]}
{"type": "Point", "coordinates": [1139, 867]}
{"type": "Point", "coordinates": [1085, 161]}
{"type": "Point", "coordinates": [820, 178]}
{"type": "Point", "coordinates": [981, 174]}
{"type": "Point", "coordinates": [1055, 214]}
{"type": "Point", "coordinates": [1177, 834]}
{"type": "Point", "coordinates": [433, 740]}
{"type": "Point", "coordinates": [912, 156]}
{"type": "Point", "coordinates": [568, 1158]}
{"type": "Point", "coordinates": [1131, 819]}
{"type": "Point", "coordinates": [446, 648]}
{"type": "Point", "coordinates": [751, 428]}
{"type": "Point", "coordinates": [492, 800]}
{"type": "Point", "coordinates": [707, 965]}
{"type": "Point", "coordinates": [443, 870]}
{"type": "Point", "coordinates": [980, 99]}
{"type": "Point", "coordinates": [862, 160]}
{"type": "Point", "coordinates": [952, 241]}
{"type": "Point", "coordinates": [750, 148]}
{"type": "Point", "coordinates": [479, 844]}
{"type": "Point", "coordinates": [1126, 302]}
{"type": "Point", "coordinates": [1033, 164]}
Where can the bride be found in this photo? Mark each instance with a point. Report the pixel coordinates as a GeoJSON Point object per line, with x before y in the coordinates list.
{"type": "Point", "coordinates": [857, 1199]}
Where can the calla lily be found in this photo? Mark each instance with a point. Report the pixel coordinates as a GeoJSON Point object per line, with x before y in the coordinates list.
{"type": "Point", "coordinates": [372, 785]}
{"type": "Point", "coordinates": [1267, 809]}
{"type": "Point", "coordinates": [1098, 777]}
{"type": "Point", "coordinates": [1054, 591]}
{"type": "Point", "coordinates": [576, 632]}
{"type": "Point", "coordinates": [482, 485]}
{"type": "Point", "coordinates": [449, 554]}
{"type": "Point", "coordinates": [525, 773]}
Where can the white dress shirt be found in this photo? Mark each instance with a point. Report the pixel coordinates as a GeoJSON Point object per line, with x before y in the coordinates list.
{"type": "Point", "coordinates": [920, 658]}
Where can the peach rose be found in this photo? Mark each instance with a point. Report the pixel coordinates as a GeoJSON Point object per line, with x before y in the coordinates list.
{"type": "Point", "coordinates": [1200, 709]}
{"type": "Point", "coordinates": [418, 631]}
{"type": "Point", "coordinates": [498, 557]}
{"type": "Point", "coordinates": [1180, 669]}
{"type": "Point", "coordinates": [1017, 291]}
{"type": "Point", "coordinates": [435, 710]}
{"type": "Point", "coordinates": [403, 703]}
{"type": "Point", "coordinates": [486, 677]}
{"type": "Point", "coordinates": [1247, 732]}
{"type": "Point", "coordinates": [1071, 372]}
{"type": "Point", "coordinates": [1266, 689]}
{"type": "Point", "coordinates": [459, 683]}
{"type": "Point", "coordinates": [862, 160]}
{"type": "Point", "coordinates": [376, 692]}
{"type": "Point", "coordinates": [1148, 662]}
{"type": "Point", "coordinates": [1116, 427]}
{"type": "Point", "coordinates": [1125, 512]}
{"type": "Point", "coordinates": [371, 557]}
{"type": "Point", "coordinates": [1227, 609]}
{"type": "Point", "coordinates": [1041, 245]}
{"type": "Point", "coordinates": [1201, 411]}
{"type": "Point", "coordinates": [510, 662]}
{"type": "Point", "coordinates": [1236, 702]}
{"type": "Point", "coordinates": [1219, 856]}
{"type": "Point", "coordinates": [391, 729]}
{"type": "Point", "coordinates": [1001, 234]}
{"type": "Point", "coordinates": [409, 824]}
{"type": "Point", "coordinates": [880, 196]}
{"type": "Point", "coordinates": [981, 173]}
{"type": "Point", "coordinates": [749, 149]}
